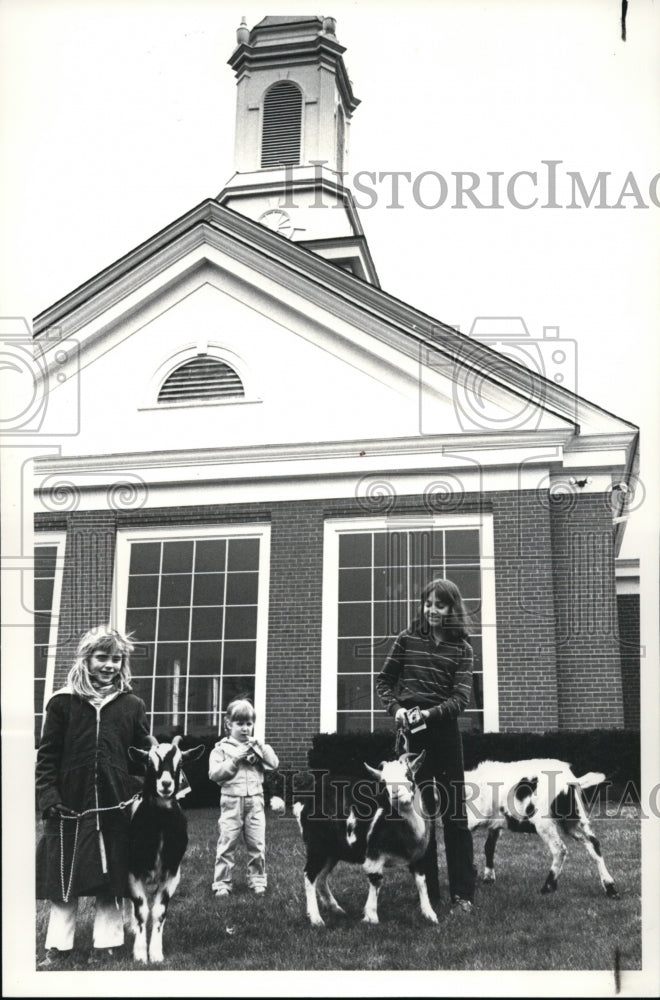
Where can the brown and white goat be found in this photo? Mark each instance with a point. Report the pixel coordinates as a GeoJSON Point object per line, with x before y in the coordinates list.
{"type": "Point", "coordinates": [534, 796]}
{"type": "Point", "coordinates": [157, 842]}
{"type": "Point", "coordinates": [395, 830]}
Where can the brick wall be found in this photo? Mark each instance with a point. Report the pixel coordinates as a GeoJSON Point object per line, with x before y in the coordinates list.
{"type": "Point", "coordinates": [628, 609]}
{"type": "Point", "coordinates": [525, 612]}
{"type": "Point", "coordinates": [538, 690]}
{"type": "Point", "coordinates": [588, 659]}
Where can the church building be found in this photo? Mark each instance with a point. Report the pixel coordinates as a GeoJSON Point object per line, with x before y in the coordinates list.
{"type": "Point", "coordinates": [297, 453]}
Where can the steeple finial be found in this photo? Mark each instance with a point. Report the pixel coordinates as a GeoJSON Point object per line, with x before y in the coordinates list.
{"type": "Point", "coordinates": [243, 32]}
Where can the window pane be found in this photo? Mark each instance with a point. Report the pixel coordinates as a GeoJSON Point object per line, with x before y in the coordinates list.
{"type": "Point", "coordinates": [142, 624]}
{"type": "Point", "coordinates": [353, 722]}
{"type": "Point", "coordinates": [175, 590]}
{"type": "Point", "coordinates": [381, 650]}
{"type": "Point", "coordinates": [353, 655]}
{"type": "Point", "coordinates": [353, 691]}
{"type": "Point", "coordinates": [205, 657]}
{"type": "Point", "coordinates": [169, 695]}
{"type": "Point", "coordinates": [173, 624]}
{"type": "Point", "coordinates": [207, 623]}
{"type": "Point", "coordinates": [475, 642]}
{"type": "Point", "coordinates": [177, 557]}
{"type": "Point", "coordinates": [355, 550]}
{"type": "Point", "coordinates": [45, 560]}
{"type": "Point", "coordinates": [145, 557]}
{"type": "Point", "coordinates": [237, 687]}
{"type": "Point", "coordinates": [142, 592]}
{"type": "Point", "coordinates": [468, 581]}
{"type": "Point", "coordinates": [243, 554]}
{"type": "Point", "coordinates": [141, 687]}
{"type": "Point", "coordinates": [209, 588]}
{"type": "Point", "coordinates": [390, 617]}
{"type": "Point", "coordinates": [240, 657]}
{"type": "Point", "coordinates": [142, 659]}
{"type": "Point", "coordinates": [43, 595]}
{"type": "Point", "coordinates": [383, 722]}
{"type": "Point", "coordinates": [41, 629]}
{"type": "Point", "coordinates": [462, 546]}
{"type": "Point", "coordinates": [204, 695]}
{"type": "Point", "coordinates": [390, 581]}
{"type": "Point", "coordinates": [39, 687]}
{"type": "Point", "coordinates": [354, 585]}
{"type": "Point", "coordinates": [171, 658]}
{"type": "Point", "coordinates": [241, 623]}
{"type": "Point", "coordinates": [40, 661]}
{"type": "Point", "coordinates": [391, 548]}
{"type": "Point", "coordinates": [242, 588]}
{"type": "Point", "coordinates": [210, 555]}
{"type": "Point", "coordinates": [163, 725]}
{"type": "Point", "coordinates": [354, 619]}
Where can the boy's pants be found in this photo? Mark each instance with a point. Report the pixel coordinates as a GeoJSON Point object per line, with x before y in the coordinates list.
{"type": "Point", "coordinates": [108, 923]}
{"type": "Point", "coordinates": [241, 814]}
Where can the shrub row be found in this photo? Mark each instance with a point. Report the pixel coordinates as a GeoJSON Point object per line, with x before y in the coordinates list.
{"type": "Point", "coordinates": [616, 752]}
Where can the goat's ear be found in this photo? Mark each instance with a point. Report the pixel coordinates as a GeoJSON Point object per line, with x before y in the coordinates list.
{"type": "Point", "coordinates": [417, 762]}
{"type": "Point", "coordinates": [137, 755]}
{"type": "Point", "coordinates": [373, 771]}
{"type": "Point", "coordinates": [193, 754]}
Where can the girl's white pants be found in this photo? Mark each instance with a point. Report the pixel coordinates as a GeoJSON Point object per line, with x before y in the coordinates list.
{"type": "Point", "coordinates": [108, 923]}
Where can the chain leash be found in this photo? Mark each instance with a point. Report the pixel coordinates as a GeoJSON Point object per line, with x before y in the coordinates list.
{"type": "Point", "coordinates": [77, 817]}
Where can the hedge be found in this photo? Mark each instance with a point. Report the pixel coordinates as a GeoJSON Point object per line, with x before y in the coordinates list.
{"type": "Point", "coordinates": [616, 752]}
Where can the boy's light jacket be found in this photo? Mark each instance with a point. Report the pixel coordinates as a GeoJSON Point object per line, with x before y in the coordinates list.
{"type": "Point", "coordinates": [238, 777]}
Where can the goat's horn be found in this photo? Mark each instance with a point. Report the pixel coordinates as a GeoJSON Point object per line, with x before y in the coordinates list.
{"type": "Point", "coordinates": [153, 740]}
{"type": "Point", "coordinates": [176, 741]}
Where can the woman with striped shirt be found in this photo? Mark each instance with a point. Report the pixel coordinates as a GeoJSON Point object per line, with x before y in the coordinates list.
{"type": "Point", "coordinates": [430, 667]}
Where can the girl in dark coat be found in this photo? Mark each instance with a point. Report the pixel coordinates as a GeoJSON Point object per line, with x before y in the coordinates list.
{"type": "Point", "coordinates": [82, 777]}
{"type": "Point", "coordinates": [430, 668]}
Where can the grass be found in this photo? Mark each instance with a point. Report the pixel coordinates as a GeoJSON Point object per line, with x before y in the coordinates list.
{"type": "Point", "coordinates": [514, 926]}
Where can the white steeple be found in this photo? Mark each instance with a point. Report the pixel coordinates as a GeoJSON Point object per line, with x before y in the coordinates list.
{"type": "Point", "coordinates": [294, 105]}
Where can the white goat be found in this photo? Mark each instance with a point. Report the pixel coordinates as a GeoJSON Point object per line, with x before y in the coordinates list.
{"type": "Point", "coordinates": [534, 796]}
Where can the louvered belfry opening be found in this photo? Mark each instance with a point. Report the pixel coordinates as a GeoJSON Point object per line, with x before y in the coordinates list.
{"type": "Point", "coordinates": [282, 125]}
{"type": "Point", "coordinates": [200, 379]}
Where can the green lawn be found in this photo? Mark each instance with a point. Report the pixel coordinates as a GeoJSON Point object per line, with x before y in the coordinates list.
{"type": "Point", "coordinates": [514, 926]}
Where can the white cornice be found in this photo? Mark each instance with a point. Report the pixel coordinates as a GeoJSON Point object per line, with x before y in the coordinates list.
{"type": "Point", "coordinates": [316, 281]}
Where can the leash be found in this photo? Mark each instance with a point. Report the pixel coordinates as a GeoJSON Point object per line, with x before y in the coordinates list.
{"type": "Point", "coordinates": [77, 817]}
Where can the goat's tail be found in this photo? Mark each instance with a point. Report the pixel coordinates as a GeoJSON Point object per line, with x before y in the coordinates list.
{"type": "Point", "coordinates": [590, 779]}
{"type": "Point", "coordinates": [298, 810]}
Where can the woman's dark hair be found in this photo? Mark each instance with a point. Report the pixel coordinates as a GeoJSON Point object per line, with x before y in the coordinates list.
{"type": "Point", "coordinates": [455, 625]}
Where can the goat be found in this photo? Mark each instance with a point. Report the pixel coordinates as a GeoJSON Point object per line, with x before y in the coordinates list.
{"type": "Point", "coordinates": [534, 796]}
{"type": "Point", "coordinates": [157, 842]}
{"type": "Point", "coordinates": [397, 832]}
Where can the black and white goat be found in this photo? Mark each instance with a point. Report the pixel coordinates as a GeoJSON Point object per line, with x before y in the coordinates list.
{"type": "Point", "coordinates": [158, 838]}
{"type": "Point", "coordinates": [395, 832]}
{"type": "Point", "coordinates": [534, 796]}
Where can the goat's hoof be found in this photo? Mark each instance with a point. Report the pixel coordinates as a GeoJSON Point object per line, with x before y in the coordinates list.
{"type": "Point", "coordinates": [140, 958]}
{"type": "Point", "coordinates": [369, 920]}
{"type": "Point", "coordinates": [431, 917]}
{"type": "Point", "coordinates": [317, 923]}
{"type": "Point", "coordinates": [611, 891]}
{"type": "Point", "coordinates": [488, 877]}
{"type": "Point", "coordinates": [547, 889]}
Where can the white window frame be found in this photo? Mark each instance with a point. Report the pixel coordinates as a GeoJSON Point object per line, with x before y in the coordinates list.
{"type": "Point", "coordinates": [58, 540]}
{"type": "Point", "coordinates": [329, 623]}
{"type": "Point", "coordinates": [173, 533]}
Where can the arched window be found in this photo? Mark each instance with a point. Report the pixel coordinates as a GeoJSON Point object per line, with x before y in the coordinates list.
{"type": "Point", "coordinates": [282, 125]}
{"type": "Point", "coordinates": [202, 378]}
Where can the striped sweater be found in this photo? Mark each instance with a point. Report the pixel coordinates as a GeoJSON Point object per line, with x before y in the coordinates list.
{"type": "Point", "coordinates": [437, 677]}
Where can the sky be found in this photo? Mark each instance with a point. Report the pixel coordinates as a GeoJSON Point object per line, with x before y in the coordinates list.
{"type": "Point", "coordinates": [118, 117]}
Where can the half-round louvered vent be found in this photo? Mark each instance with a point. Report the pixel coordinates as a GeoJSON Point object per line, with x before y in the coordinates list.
{"type": "Point", "coordinates": [200, 379]}
{"type": "Point", "coordinates": [282, 121]}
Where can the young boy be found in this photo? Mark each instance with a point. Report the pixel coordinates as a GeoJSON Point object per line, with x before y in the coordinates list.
{"type": "Point", "coordinates": [237, 764]}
